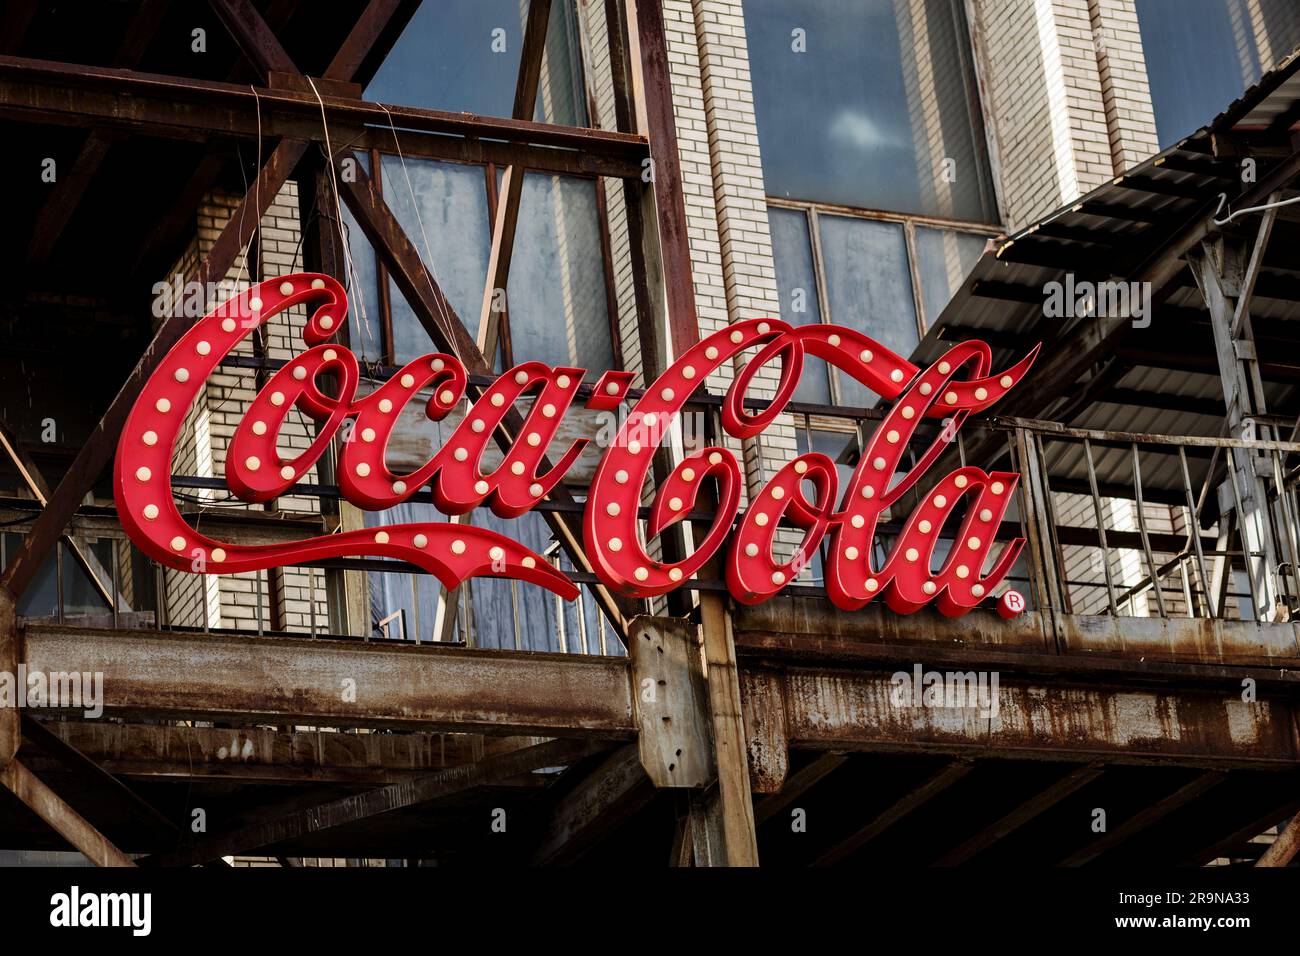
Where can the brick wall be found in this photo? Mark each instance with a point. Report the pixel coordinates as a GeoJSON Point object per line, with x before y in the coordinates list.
{"type": "Point", "coordinates": [1067, 95]}
{"type": "Point", "coordinates": [243, 600]}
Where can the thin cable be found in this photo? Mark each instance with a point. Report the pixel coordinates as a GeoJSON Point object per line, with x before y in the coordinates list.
{"type": "Point", "coordinates": [257, 196]}
{"type": "Point", "coordinates": [348, 266]}
{"type": "Point", "coordinates": [430, 273]}
{"type": "Point", "coordinates": [1223, 198]}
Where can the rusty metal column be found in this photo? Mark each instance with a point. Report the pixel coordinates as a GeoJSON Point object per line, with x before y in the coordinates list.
{"type": "Point", "coordinates": [722, 818]}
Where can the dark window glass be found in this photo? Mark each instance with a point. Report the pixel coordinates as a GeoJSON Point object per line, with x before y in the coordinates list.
{"type": "Point", "coordinates": [443, 210]}
{"type": "Point", "coordinates": [463, 55]}
{"type": "Point", "coordinates": [869, 103]}
{"type": "Point", "coordinates": [868, 288]}
{"type": "Point", "coordinates": [796, 280]}
{"type": "Point", "coordinates": [943, 259]}
{"type": "Point", "coordinates": [1203, 54]}
{"type": "Point", "coordinates": [558, 310]}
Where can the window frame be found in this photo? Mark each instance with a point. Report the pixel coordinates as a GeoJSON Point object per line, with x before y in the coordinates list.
{"type": "Point", "coordinates": [384, 293]}
{"type": "Point", "coordinates": [813, 210]}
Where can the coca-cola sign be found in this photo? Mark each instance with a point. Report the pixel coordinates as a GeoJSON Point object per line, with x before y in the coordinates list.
{"type": "Point", "coordinates": [613, 539]}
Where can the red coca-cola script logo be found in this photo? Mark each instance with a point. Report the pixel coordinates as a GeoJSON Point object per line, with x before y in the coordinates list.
{"type": "Point", "coordinates": [613, 540]}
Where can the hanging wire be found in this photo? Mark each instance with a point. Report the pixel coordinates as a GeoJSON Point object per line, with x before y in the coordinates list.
{"type": "Point", "coordinates": [430, 273]}
{"type": "Point", "coordinates": [1223, 199]}
{"type": "Point", "coordinates": [356, 301]}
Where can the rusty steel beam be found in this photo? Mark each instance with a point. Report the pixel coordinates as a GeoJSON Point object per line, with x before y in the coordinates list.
{"type": "Point", "coordinates": [1145, 818]}
{"type": "Point", "coordinates": [338, 683]}
{"type": "Point", "coordinates": [69, 824]}
{"type": "Point", "coordinates": [43, 91]}
{"type": "Point", "coordinates": [840, 710]}
{"type": "Point", "coordinates": [937, 783]}
{"type": "Point", "coordinates": [1030, 809]}
{"type": "Point", "coordinates": [396, 796]}
{"type": "Point", "coordinates": [31, 475]}
{"type": "Point", "coordinates": [256, 41]}
{"type": "Point", "coordinates": [1092, 646]}
{"type": "Point", "coordinates": [377, 20]}
{"type": "Point", "coordinates": [1225, 846]}
{"type": "Point", "coordinates": [1284, 849]}
{"type": "Point", "coordinates": [263, 755]}
{"type": "Point", "coordinates": [66, 195]}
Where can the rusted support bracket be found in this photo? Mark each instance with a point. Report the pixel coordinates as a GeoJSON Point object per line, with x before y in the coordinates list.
{"type": "Point", "coordinates": [69, 824]}
{"type": "Point", "coordinates": [672, 704]}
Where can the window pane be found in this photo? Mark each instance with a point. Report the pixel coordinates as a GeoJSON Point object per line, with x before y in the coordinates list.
{"type": "Point", "coordinates": [463, 55]}
{"type": "Point", "coordinates": [868, 113]}
{"type": "Point", "coordinates": [1202, 54]}
{"type": "Point", "coordinates": [449, 212]}
{"type": "Point", "coordinates": [944, 258]}
{"type": "Point", "coordinates": [797, 284]}
{"type": "Point", "coordinates": [365, 322]}
{"type": "Point", "coordinates": [868, 287]}
{"type": "Point", "coordinates": [558, 310]}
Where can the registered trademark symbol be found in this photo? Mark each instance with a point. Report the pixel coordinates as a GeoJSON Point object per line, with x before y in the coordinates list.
{"type": "Point", "coordinates": [1011, 603]}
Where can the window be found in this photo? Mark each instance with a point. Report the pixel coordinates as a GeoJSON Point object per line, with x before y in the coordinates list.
{"type": "Point", "coordinates": [463, 55]}
{"type": "Point", "coordinates": [867, 274]}
{"type": "Point", "coordinates": [1203, 54]}
{"type": "Point", "coordinates": [880, 196]}
{"type": "Point", "coordinates": [870, 104]}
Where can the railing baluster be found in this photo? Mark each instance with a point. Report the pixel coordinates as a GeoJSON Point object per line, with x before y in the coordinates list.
{"type": "Point", "coordinates": [1246, 554]}
{"type": "Point", "coordinates": [1152, 570]}
{"type": "Point", "coordinates": [1288, 519]}
{"type": "Point", "coordinates": [1101, 528]}
{"type": "Point", "coordinates": [1194, 531]}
